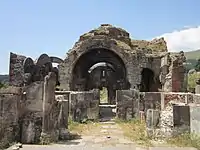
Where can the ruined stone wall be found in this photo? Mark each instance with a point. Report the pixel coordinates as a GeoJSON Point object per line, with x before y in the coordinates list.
{"type": "Point", "coordinates": [173, 72]}
{"type": "Point", "coordinates": [50, 126]}
{"type": "Point", "coordinates": [84, 105]}
{"type": "Point", "coordinates": [16, 71]}
{"type": "Point", "coordinates": [30, 114]}
{"type": "Point", "coordinates": [31, 118]}
{"type": "Point", "coordinates": [113, 39]}
{"type": "Point", "coordinates": [166, 113]}
{"type": "Point", "coordinates": [10, 104]}
{"type": "Point", "coordinates": [128, 105]}
{"type": "Point", "coordinates": [135, 54]}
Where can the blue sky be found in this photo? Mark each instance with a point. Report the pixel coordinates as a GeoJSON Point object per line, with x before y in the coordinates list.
{"type": "Point", "coordinates": [32, 27]}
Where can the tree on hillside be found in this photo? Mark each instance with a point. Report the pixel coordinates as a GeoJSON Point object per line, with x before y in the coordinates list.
{"type": "Point", "coordinates": [2, 85]}
{"type": "Point", "coordinates": [192, 78]}
{"type": "Point", "coordinates": [197, 66]}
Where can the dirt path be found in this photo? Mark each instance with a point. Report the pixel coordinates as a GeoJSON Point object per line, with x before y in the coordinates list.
{"type": "Point", "coordinates": [106, 136]}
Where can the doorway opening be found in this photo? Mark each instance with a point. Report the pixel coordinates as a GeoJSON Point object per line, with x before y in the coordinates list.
{"type": "Point", "coordinates": [104, 96]}
{"type": "Point", "coordinates": [150, 82]}
{"type": "Point", "coordinates": [147, 80]}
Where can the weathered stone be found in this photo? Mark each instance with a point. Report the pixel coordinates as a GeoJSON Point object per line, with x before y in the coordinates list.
{"type": "Point", "coordinates": [84, 105]}
{"type": "Point", "coordinates": [181, 115]}
{"type": "Point", "coordinates": [28, 65]}
{"type": "Point", "coordinates": [64, 134]}
{"type": "Point", "coordinates": [152, 119]}
{"type": "Point", "coordinates": [9, 116]}
{"type": "Point", "coordinates": [140, 76]}
{"type": "Point", "coordinates": [19, 145]}
{"type": "Point", "coordinates": [197, 89]}
{"type": "Point", "coordinates": [195, 119]}
{"type": "Point", "coordinates": [50, 110]}
{"type": "Point", "coordinates": [16, 70]}
{"type": "Point", "coordinates": [196, 98]}
{"type": "Point", "coordinates": [63, 112]}
{"type": "Point", "coordinates": [107, 42]}
{"type": "Point", "coordinates": [43, 59]}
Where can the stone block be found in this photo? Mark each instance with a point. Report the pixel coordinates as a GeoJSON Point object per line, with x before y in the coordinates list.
{"type": "Point", "coordinates": [174, 98]}
{"type": "Point", "coordinates": [123, 97]}
{"type": "Point", "coordinates": [196, 98]}
{"type": "Point", "coordinates": [128, 104]}
{"type": "Point", "coordinates": [64, 134]}
{"type": "Point", "coordinates": [63, 106]}
{"type": "Point", "coordinates": [31, 128]}
{"type": "Point", "coordinates": [152, 118]}
{"type": "Point", "coordinates": [16, 70]}
{"type": "Point", "coordinates": [142, 115]}
{"type": "Point", "coordinates": [93, 110]}
{"type": "Point", "coordinates": [84, 105]}
{"type": "Point", "coordinates": [129, 113]}
{"type": "Point", "coordinates": [195, 119]}
{"type": "Point", "coordinates": [181, 116]}
{"type": "Point", "coordinates": [152, 100]}
{"type": "Point", "coordinates": [197, 89]}
{"type": "Point", "coordinates": [34, 96]}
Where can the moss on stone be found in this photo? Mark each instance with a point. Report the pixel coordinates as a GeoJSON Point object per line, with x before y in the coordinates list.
{"type": "Point", "coordinates": [122, 45]}
{"type": "Point", "coordinates": [156, 45]}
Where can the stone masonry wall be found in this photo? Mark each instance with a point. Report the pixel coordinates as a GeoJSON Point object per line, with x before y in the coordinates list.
{"type": "Point", "coordinates": [30, 114]}
{"type": "Point", "coordinates": [134, 54]}
{"type": "Point", "coordinates": [171, 113]}
{"type": "Point", "coordinates": [172, 74]}
{"type": "Point", "coordinates": [128, 104]}
{"type": "Point", "coordinates": [9, 115]}
{"type": "Point", "coordinates": [31, 118]}
{"type": "Point", "coordinates": [16, 71]}
{"type": "Point", "coordinates": [84, 105]}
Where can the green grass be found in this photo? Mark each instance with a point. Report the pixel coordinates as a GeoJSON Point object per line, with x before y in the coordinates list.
{"type": "Point", "coordinates": [104, 95]}
{"type": "Point", "coordinates": [193, 54]}
{"type": "Point", "coordinates": [135, 130]}
{"type": "Point", "coordinates": [185, 140]}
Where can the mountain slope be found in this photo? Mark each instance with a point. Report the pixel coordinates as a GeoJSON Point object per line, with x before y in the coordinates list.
{"type": "Point", "coordinates": [4, 78]}
{"type": "Point", "coordinates": [193, 54]}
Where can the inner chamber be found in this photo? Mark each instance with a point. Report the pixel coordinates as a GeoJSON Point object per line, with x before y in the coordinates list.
{"type": "Point", "coordinates": [98, 69]}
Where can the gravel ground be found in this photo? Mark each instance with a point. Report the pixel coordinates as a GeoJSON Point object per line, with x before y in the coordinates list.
{"type": "Point", "coordinates": [109, 137]}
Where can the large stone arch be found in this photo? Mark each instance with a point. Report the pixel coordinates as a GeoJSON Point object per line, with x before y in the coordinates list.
{"type": "Point", "coordinates": [112, 39]}
{"type": "Point", "coordinates": [94, 56]}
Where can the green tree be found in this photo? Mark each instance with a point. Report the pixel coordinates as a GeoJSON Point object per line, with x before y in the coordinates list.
{"type": "Point", "coordinates": [192, 80]}
{"type": "Point", "coordinates": [2, 85]}
{"type": "Point", "coordinates": [197, 66]}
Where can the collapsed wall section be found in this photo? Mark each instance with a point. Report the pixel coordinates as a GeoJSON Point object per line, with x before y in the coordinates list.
{"type": "Point", "coordinates": [166, 114]}
{"type": "Point", "coordinates": [9, 115]}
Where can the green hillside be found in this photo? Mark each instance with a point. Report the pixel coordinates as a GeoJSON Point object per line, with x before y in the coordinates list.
{"type": "Point", "coordinates": [193, 54]}
{"type": "Point", "coordinates": [4, 78]}
{"type": "Point", "coordinates": [192, 58]}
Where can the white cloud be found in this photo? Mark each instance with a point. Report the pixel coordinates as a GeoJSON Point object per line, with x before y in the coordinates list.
{"type": "Point", "coordinates": [183, 40]}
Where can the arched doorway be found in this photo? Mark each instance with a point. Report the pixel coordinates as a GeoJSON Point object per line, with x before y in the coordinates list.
{"type": "Point", "coordinates": [149, 82]}
{"type": "Point", "coordinates": [99, 68]}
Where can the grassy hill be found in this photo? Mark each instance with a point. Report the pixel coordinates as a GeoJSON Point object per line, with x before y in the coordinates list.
{"type": "Point", "coordinates": [192, 58]}
{"type": "Point", "coordinates": [193, 54]}
{"type": "Point", "coordinates": [4, 78]}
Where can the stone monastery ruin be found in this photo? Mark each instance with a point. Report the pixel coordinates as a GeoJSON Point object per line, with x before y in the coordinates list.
{"type": "Point", "coordinates": [142, 78]}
